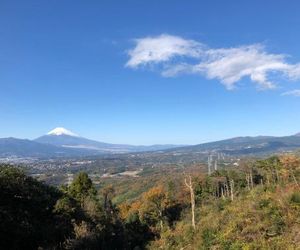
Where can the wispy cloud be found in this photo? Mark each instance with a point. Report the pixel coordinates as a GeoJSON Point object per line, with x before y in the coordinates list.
{"type": "Point", "coordinates": [228, 65]}
{"type": "Point", "coordinates": [150, 50]}
{"type": "Point", "coordinates": [295, 92]}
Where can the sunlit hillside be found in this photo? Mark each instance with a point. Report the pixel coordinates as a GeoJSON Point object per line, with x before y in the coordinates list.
{"type": "Point", "coordinates": [255, 206]}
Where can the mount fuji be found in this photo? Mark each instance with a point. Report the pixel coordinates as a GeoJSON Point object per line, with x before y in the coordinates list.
{"type": "Point", "coordinates": [61, 131]}
{"type": "Point", "coordinates": [61, 142]}
{"type": "Point", "coordinates": [68, 139]}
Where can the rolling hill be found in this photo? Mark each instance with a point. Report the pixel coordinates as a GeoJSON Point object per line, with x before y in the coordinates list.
{"type": "Point", "coordinates": [62, 142]}
{"type": "Point", "coordinates": [246, 145]}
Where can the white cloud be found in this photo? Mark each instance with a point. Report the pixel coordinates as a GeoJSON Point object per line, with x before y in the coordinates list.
{"type": "Point", "coordinates": [228, 65]}
{"type": "Point", "coordinates": [231, 65]}
{"type": "Point", "coordinates": [295, 92]}
{"type": "Point", "coordinates": [294, 71]}
{"type": "Point", "coordinates": [161, 49]}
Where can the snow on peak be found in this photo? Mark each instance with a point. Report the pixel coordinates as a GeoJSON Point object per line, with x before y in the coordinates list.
{"type": "Point", "coordinates": [61, 131]}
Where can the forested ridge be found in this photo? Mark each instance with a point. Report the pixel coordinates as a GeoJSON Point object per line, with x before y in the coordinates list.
{"type": "Point", "coordinates": [254, 206]}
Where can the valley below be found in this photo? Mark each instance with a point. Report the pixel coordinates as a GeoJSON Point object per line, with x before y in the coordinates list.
{"type": "Point", "coordinates": [240, 193]}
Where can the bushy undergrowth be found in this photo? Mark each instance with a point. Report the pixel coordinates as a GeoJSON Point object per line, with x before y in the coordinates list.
{"type": "Point", "coordinates": [261, 219]}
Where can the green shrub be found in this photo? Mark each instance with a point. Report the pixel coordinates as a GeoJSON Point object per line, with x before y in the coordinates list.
{"type": "Point", "coordinates": [221, 204]}
{"type": "Point", "coordinates": [264, 203]}
{"type": "Point", "coordinates": [295, 198]}
{"type": "Point", "coordinates": [208, 237]}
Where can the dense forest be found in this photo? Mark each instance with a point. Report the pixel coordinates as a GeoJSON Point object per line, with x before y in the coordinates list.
{"type": "Point", "coordinates": [254, 206]}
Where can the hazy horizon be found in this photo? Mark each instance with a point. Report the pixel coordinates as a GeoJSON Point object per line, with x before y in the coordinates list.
{"type": "Point", "coordinates": [218, 139]}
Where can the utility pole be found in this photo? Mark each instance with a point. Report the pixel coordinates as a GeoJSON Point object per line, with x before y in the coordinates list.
{"type": "Point", "coordinates": [216, 165]}
{"type": "Point", "coordinates": [209, 165]}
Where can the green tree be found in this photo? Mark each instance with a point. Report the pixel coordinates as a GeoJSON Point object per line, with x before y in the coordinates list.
{"type": "Point", "coordinates": [82, 187]}
{"type": "Point", "coordinates": [26, 212]}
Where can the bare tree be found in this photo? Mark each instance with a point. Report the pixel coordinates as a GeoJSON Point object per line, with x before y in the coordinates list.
{"type": "Point", "coordinates": [226, 189]}
{"type": "Point", "coordinates": [222, 193]}
{"type": "Point", "coordinates": [251, 178]}
{"type": "Point", "coordinates": [248, 181]}
{"type": "Point", "coordinates": [189, 184]}
{"type": "Point", "coordinates": [231, 189]}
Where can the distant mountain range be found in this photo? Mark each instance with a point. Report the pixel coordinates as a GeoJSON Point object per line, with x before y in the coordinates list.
{"type": "Point", "coordinates": [247, 145]}
{"type": "Point", "coordinates": [62, 142]}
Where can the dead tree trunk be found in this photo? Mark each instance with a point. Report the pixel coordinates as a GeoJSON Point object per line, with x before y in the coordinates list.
{"type": "Point", "coordinates": [248, 181]}
{"type": "Point", "coordinates": [226, 190]}
{"type": "Point", "coordinates": [231, 189]}
{"type": "Point", "coordinates": [268, 179]}
{"type": "Point", "coordinates": [251, 179]}
{"type": "Point", "coordinates": [161, 221]}
{"type": "Point", "coordinates": [294, 178]}
{"type": "Point", "coordinates": [190, 186]}
{"type": "Point", "coordinates": [222, 193]}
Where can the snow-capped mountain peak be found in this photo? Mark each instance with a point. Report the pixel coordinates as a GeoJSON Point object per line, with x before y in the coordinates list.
{"type": "Point", "coordinates": [61, 131]}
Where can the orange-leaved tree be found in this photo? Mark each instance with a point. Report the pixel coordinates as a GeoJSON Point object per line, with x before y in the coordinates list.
{"type": "Point", "coordinates": [291, 164]}
{"type": "Point", "coordinates": [154, 205]}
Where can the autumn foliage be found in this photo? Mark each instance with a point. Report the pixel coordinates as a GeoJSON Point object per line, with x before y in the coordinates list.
{"type": "Point", "coordinates": [254, 206]}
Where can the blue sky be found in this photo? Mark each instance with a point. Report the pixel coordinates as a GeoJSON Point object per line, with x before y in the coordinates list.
{"type": "Point", "coordinates": [146, 72]}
